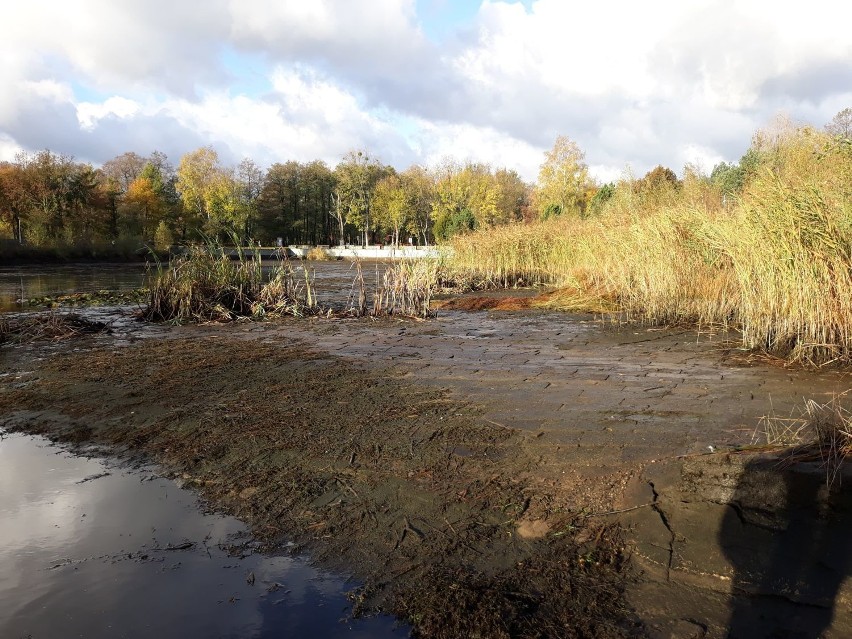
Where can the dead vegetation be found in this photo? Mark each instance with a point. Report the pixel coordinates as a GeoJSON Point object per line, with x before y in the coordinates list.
{"type": "Point", "coordinates": [414, 494]}
{"type": "Point", "coordinates": [820, 431]}
{"type": "Point", "coordinates": [206, 284]}
{"type": "Point", "coordinates": [46, 326]}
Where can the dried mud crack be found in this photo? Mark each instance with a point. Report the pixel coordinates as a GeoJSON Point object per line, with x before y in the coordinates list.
{"type": "Point", "coordinates": [415, 494]}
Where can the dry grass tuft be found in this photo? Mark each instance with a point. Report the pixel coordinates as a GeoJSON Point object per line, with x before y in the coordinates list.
{"type": "Point", "coordinates": [320, 254]}
{"type": "Point", "coordinates": [820, 431]}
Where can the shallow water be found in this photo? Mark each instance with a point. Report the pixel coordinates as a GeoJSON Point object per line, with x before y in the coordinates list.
{"type": "Point", "coordinates": [35, 280]}
{"type": "Point", "coordinates": [332, 280]}
{"type": "Point", "coordinates": [89, 548]}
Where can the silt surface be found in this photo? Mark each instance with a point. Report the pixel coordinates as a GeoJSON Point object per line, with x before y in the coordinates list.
{"type": "Point", "coordinates": [468, 470]}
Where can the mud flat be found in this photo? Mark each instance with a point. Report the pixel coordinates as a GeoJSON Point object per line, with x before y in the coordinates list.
{"type": "Point", "coordinates": [483, 473]}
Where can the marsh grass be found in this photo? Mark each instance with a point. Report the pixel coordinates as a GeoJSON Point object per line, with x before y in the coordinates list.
{"type": "Point", "coordinates": [405, 288]}
{"type": "Point", "coordinates": [205, 284]}
{"type": "Point", "coordinates": [774, 263]}
{"type": "Point", "coordinates": [820, 431]}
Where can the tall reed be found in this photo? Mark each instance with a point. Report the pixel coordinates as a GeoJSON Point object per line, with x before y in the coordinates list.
{"type": "Point", "coordinates": [777, 264]}
{"type": "Point", "coordinates": [206, 284]}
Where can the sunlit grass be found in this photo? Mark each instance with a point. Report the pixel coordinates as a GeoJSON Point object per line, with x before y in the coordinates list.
{"type": "Point", "coordinates": [776, 264]}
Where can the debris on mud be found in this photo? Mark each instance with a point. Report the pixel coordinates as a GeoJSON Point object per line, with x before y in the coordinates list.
{"type": "Point", "coordinates": [411, 492]}
{"type": "Point", "coordinates": [47, 326]}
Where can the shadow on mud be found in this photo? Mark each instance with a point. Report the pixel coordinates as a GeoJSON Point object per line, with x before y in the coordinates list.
{"type": "Point", "coordinates": [787, 536]}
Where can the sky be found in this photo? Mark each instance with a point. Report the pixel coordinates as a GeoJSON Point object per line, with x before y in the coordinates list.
{"type": "Point", "coordinates": [634, 84]}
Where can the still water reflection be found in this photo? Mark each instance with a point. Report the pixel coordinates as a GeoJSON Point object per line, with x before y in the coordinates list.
{"type": "Point", "coordinates": [333, 280]}
{"type": "Point", "coordinates": [91, 549]}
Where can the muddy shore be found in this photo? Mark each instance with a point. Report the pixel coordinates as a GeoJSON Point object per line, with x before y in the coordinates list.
{"type": "Point", "coordinates": [470, 470]}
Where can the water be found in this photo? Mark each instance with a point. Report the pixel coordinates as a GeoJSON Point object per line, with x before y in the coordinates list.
{"type": "Point", "coordinates": [89, 548]}
{"type": "Point", "coordinates": [333, 280]}
{"type": "Point", "coordinates": [29, 281]}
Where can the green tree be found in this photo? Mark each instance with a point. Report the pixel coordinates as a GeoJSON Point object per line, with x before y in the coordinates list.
{"type": "Point", "coordinates": [562, 180]}
{"type": "Point", "coordinates": [464, 198]}
{"type": "Point", "coordinates": [357, 176]}
{"type": "Point", "coordinates": [278, 202]}
{"type": "Point", "coordinates": [601, 197]}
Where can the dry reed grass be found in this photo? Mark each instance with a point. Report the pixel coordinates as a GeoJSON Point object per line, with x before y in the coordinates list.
{"type": "Point", "coordinates": [405, 288]}
{"type": "Point", "coordinates": [820, 431]}
{"type": "Point", "coordinates": [207, 285]}
{"type": "Point", "coordinates": [47, 326]}
{"type": "Point", "coordinates": [776, 265]}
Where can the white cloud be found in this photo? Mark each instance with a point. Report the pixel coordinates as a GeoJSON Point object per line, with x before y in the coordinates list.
{"type": "Point", "coordinates": [477, 144]}
{"type": "Point", "coordinates": [88, 113]}
{"type": "Point", "coordinates": [8, 148]}
{"type": "Point", "coordinates": [632, 83]}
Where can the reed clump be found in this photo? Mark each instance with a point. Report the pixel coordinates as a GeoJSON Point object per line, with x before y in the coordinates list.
{"type": "Point", "coordinates": [320, 254]}
{"type": "Point", "coordinates": [774, 262]}
{"type": "Point", "coordinates": [205, 284]}
{"type": "Point", "coordinates": [820, 431]}
{"type": "Point", "coordinates": [405, 288]}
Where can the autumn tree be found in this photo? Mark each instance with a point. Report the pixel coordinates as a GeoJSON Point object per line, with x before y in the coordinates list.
{"type": "Point", "coordinates": [48, 183]}
{"type": "Point", "coordinates": [562, 180]}
{"type": "Point", "coordinates": [465, 198]}
{"type": "Point", "coordinates": [514, 195]}
{"type": "Point", "coordinates": [123, 169]}
{"type": "Point", "coordinates": [249, 180]}
{"type": "Point", "coordinates": [841, 125]}
{"type": "Point", "coordinates": [195, 174]}
{"type": "Point", "coordinates": [14, 196]}
{"type": "Point", "coordinates": [143, 206]}
{"type": "Point", "coordinates": [356, 179]}
{"type": "Point", "coordinates": [420, 191]}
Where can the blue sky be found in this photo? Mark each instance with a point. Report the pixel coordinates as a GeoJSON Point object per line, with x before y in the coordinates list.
{"type": "Point", "coordinates": [418, 81]}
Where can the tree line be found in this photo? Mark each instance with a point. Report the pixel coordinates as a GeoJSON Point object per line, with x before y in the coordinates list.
{"type": "Point", "coordinates": [48, 199]}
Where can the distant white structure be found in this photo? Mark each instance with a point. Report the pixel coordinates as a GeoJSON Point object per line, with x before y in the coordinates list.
{"type": "Point", "coordinates": [370, 252]}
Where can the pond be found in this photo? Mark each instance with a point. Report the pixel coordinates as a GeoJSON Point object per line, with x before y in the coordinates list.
{"type": "Point", "coordinates": [333, 280]}
{"type": "Point", "coordinates": [93, 548]}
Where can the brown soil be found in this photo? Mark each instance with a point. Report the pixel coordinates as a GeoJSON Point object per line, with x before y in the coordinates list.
{"type": "Point", "coordinates": [428, 503]}
{"type": "Point", "coordinates": [462, 468]}
{"type": "Point", "coordinates": [485, 303]}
